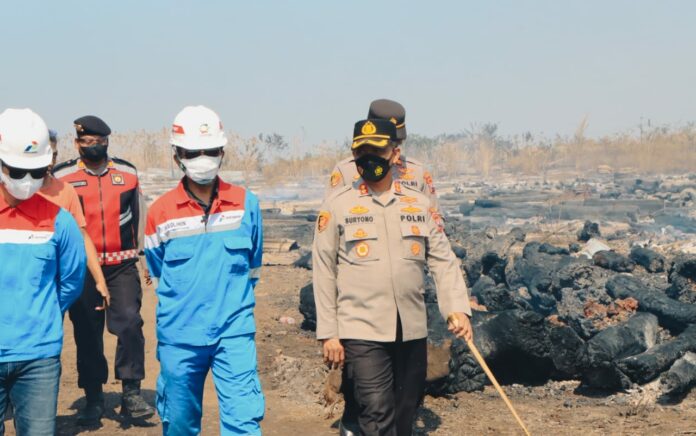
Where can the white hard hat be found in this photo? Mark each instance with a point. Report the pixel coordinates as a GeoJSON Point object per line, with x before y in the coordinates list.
{"type": "Point", "coordinates": [197, 128]}
{"type": "Point", "coordinates": [24, 139]}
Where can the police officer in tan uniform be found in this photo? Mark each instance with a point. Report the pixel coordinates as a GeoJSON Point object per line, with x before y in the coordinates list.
{"type": "Point", "coordinates": [371, 245]}
{"type": "Point", "coordinates": [410, 172]}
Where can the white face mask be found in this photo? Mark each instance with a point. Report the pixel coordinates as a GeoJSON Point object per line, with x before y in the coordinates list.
{"type": "Point", "coordinates": [23, 188]}
{"type": "Point", "coordinates": [202, 169]}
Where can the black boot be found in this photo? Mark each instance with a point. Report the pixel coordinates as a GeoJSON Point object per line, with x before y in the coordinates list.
{"type": "Point", "coordinates": [132, 403]}
{"type": "Point", "coordinates": [91, 415]}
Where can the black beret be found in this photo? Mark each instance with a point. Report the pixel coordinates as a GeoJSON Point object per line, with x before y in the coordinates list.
{"type": "Point", "coordinates": [377, 132]}
{"type": "Point", "coordinates": [91, 125]}
{"type": "Point", "coordinates": [392, 111]}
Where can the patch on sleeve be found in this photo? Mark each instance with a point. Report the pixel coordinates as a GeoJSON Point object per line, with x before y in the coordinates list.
{"type": "Point", "coordinates": [323, 221]}
{"type": "Point", "coordinates": [437, 218]}
{"type": "Point", "coordinates": [335, 179]}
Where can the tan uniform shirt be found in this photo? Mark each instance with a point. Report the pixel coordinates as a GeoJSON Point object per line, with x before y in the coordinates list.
{"type": "Point", "coordinates": [409, 172]}
{"type": "Point", "coordinates": [368, 264]}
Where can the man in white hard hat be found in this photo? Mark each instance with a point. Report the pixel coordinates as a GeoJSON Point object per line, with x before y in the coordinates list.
{"type": "Point", "coordinates": [203, 242]}
{"type": "Point", "coordinates": [41, 275]}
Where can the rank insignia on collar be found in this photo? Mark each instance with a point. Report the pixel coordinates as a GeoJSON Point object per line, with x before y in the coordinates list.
{"type": "Point", "coordinates": [397, 187]}
{"type": "Point", "coordinates": [411, 209]}
{"type": "Point", "coordinates": [359, 210]}
{"type": "Point", "coordinates": [363, 189]}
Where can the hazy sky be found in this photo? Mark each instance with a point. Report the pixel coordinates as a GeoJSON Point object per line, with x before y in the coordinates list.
{"type": "Point", "coordinates": [312, 67]}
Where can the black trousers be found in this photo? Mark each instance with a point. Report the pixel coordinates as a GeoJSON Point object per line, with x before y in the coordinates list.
{"type": "Point", "coordinates": [122, 319]}
{"type": "Point", "coordinates": [388, 380]}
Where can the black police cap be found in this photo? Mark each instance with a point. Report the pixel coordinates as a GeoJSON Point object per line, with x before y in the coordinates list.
{"type": "Point", "coordinates": [377, 132]}
{"type": "Point", "coordinates": [91, 125]}
{"type": "Point", "coordinates": [392, 111]}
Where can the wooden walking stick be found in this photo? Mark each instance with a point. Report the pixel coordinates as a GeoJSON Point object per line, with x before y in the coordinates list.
{"type": "Point", "coordinates": [491, 377]}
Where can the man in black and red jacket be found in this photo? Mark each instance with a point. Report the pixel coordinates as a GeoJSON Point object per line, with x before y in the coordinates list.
{"type": "Point", "coordinates": [111, 199]}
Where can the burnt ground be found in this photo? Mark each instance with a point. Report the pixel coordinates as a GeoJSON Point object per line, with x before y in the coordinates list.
{"type": "Point", "coordinates": [293, 377]}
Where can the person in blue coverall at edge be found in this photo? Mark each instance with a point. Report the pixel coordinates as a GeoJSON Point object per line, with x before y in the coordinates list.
{"type": "Point", "coordinates": [41, 275]}
{"type": "Point", "coordinates": [203, 242]}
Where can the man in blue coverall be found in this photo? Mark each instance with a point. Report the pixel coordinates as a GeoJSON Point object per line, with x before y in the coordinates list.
{"type": "Point", "coordinates": [41, 275]}
{"type": "Point", "coordinates": [203, 242]}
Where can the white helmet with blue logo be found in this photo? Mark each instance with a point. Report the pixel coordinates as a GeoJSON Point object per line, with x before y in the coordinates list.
{"type": "Point", "coordinates": [24, 139]}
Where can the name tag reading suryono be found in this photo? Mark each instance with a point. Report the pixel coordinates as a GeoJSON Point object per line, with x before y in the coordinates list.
{"type": "Point", "coordinates": [359, 219]}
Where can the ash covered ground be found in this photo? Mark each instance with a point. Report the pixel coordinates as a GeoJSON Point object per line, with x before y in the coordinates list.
{"type": "Point", "coordinates": [585, 295]}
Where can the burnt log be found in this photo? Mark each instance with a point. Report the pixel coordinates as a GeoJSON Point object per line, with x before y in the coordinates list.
{"type": "Point", "coordinates": [496, 298]}
{"type": "Point", "coordinates": [682, 277]}
{"type": "Point", "coordinates": [535, 272]}
{"type": "Point", "coordinates": [647, 366]}
{"type": "Point", "coordinates": [305, 260]}
{"type": "Point", "coordinates": [466, 208]}
{"type": "Point", "coordinates": [671, 314]}
{"type": "Point", "coordinates": [566, 350]}
{"type": "Point", "coordinates": [652, 261]}
{"type": "Point", "coordinates": [589, 230]}
{"type": "Point", "coordinates": [613, 343]}
{"type": "Point", "coordinates": [681, 377]}
{"type": "Point", "coordinates": [486, 253]}
{"type": "Point", "coordinates": [514, 345]}
{"type": "Point", "coordinates": [547, 248]}
{"type": "Point", "coordinates": [308, 308]}
{"type": "Point", "coordinates": [486, 203]}
{"type": "Point", "coordinates": [613, 261]}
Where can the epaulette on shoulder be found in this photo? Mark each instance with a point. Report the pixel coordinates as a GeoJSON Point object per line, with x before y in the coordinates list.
{"type": "Point", "coordinates": [124, 165]}
{"type": "Point", "coordinates": [120, 161]}
{"type": "Point", "coordinates": [413, 161]}
{"type": "Point", "coordinates": [338, 192]}
{"type": "Point", "coordinates": [411, 189]}
{"type": "Point", "coordinates": [64, 165]}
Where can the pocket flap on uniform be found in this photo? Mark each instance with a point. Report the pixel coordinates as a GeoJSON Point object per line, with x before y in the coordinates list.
{"type": "Point", "coordinates": [45, 251]}
{"type": "Point", "coordinates": [178, 252]}
{"type": "Point", "coordinates": [356, 232]}
{"type": "Point", "coordinates": [238, 243]}
{"type": "Point", "coordinates": [414, 229]}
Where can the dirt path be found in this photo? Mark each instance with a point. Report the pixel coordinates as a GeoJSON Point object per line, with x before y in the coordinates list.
{"type": "Point", "coordinates": [292, 377]}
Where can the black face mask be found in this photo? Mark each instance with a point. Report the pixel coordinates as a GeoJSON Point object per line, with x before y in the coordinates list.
{"type": "Point", "coordinates": [94, 153]}
{"type": "Point", "coordinates": [374, 168]}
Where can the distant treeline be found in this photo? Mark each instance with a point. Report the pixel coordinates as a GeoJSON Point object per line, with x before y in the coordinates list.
{"type": "Point", "coordinates": [479, 149]}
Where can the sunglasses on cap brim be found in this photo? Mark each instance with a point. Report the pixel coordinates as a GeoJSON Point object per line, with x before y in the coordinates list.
{"type": "Point", "coordinates": [182, 153]}
{"type": "Point", "coordinates": [20, 173]}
